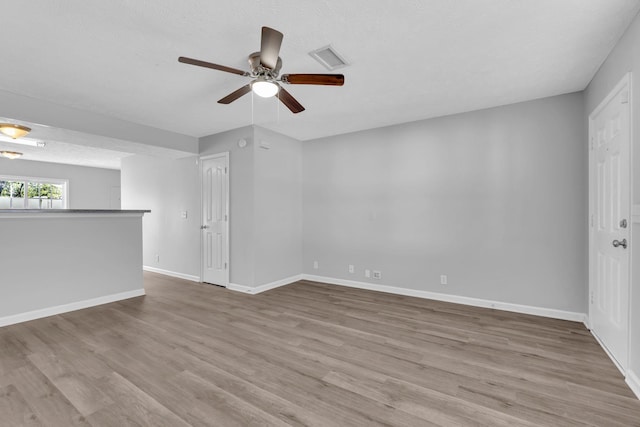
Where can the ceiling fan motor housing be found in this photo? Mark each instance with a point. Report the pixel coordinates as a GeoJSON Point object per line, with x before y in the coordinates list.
{"type": "Point", "coordinates": [257, 69]}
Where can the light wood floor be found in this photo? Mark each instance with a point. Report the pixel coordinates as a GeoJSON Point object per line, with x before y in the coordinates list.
{"type": "Point", "coordinates": [304, 354]}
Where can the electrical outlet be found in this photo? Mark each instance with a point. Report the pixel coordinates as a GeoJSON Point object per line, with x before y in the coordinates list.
{"type": "Point", "coordinates": [377, 274]}
{"type": "Point", "coordinates": [352, 269]}
{"type": "Point", "coordinates": [183, 214]}
{"type": "Point", "coordinates": [315, 265]}
{"type": "Point", "coordinates": [443, 279]}
{"type": "Point", "coordinates": [367, 273]}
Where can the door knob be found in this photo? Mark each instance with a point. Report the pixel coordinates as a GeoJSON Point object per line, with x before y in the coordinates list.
{"type": "Point", "coordinates": [622, 243]}
{"type": "Point", "coordinates": [204, 227]}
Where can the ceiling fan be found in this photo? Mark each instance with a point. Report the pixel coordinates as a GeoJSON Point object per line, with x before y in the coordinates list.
{"type": "Point", "coordinates": [265, 67]}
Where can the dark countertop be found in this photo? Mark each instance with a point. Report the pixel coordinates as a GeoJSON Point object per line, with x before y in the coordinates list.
{"type": "Point", "coordinates": [72, 211]}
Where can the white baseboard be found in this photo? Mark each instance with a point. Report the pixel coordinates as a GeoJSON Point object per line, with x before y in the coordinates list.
{"type": "Point", "coordinates": [633, 382]}
{"type": "Point", "coordinates": [171, 273]}
{"type": "Point", "coordinates": [265, 287]}
{"type": "Point", "coordinates": [608, 353]}
{"type": "Point", "coordinates": [65, 308]}
{"type": "Point", "coordinates": [476, 302]}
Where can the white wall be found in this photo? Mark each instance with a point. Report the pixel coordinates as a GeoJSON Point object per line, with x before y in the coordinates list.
{"type": "Point", "coordinates": [495, 199]}
{"type": "Point", "coordinates": [625, 57]}
{"type": "Point", "coordinates": [89, 188]}
{"type": "Point", "coordinates": [166, 187]}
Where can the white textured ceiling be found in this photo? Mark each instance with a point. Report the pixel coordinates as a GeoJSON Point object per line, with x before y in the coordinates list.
{"type": "Point", "coordinates": [410, 59]}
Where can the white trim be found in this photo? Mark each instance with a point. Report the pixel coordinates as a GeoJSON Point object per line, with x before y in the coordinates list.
{"type": "Point", "coordinates": [267, 286]}
{"type": "Point", "coordinates": [65, 308]}
{"type": "Point", "coordinates": [476, 302]}
{"type": "Point", "coordinates": [635, 214]}
{"type": "Point", "coordinates": [586, 322]}
{"type": "Point", "coordinates": [633, 382]}
{"type": "Point", "coordinates": [240, 288]}
{"type": "Point", "coordinates": [171, 273]}
{"type": "Point", "coordinates": [224, 155]}
{"type": "Point", "coordinates": [606, 350]}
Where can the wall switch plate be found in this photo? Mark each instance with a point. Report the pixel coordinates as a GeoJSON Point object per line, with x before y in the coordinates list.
{"type": "Point", "coordinates": [443, 279]}
{"type": "Point", "coordinates": [377, 274]}
{"type": "Point", "coordinates": [315, 265]}
{"type": "Point", "coordinates": [157, 258]}
{"type": "Point", "coordinates": [183, 214]}
{"type": "Point", "coordinates": [367, 273]}
{"type": "Point", "coordinates": [352, 269]}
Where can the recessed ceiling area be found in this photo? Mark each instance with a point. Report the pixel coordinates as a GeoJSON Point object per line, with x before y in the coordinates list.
{"type": "Point", "coordinates": [408, 60]}
{"type": "Point", "coordinates": [80, 148]}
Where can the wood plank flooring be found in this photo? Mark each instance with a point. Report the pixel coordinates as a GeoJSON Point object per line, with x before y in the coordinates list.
{"type": "Point", "coordinates": [189, 354]}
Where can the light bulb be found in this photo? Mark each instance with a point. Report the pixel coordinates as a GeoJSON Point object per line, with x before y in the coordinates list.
{"type": "Point", "coordinates": [14, 131]}
{"type": "Point", "coordinates": [264, 88]}
{"type": "Point", "coordinates": [10, 154]}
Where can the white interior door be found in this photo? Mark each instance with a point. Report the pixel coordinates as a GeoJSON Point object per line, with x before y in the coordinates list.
{"type": "Point", "coordinates": [215, 219]}
{"type": "Point", "coordinates": [609, 129]}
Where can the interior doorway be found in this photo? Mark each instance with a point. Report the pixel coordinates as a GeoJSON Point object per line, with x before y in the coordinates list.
{"type": "Point", "coordinates": [215, 219]}
{"type": "Point", "coordinates": [610, 210]}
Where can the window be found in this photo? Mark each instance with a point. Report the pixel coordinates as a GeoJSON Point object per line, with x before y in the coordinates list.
{"type": "Point", "coordinates": [32, 193]}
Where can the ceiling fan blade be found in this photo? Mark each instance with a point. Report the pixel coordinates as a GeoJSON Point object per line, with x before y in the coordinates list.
{"type": "Point", "coordinates": [270, 47]}
{"type": "Point", "coordinates": [314, 79]}
{"type": "Point", "coordinates": [288, 100]}
{"type": "Point", "coordinates": [235, 95]}
{"type": "Point", "coordinates": [212, 65]}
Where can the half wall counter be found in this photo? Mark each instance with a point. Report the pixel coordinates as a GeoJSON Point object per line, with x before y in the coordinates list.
{"type": "Point", "coordinates": [57, 260]}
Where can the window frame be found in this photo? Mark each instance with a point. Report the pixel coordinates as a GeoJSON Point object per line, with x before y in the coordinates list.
{"type": "Point", "coordinates": [39, 180]}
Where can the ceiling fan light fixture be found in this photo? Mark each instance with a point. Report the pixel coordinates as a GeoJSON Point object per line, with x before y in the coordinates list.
{"type": "Point", "coordinates": [264, 88]}
{"type": "Point", "coordinates": [13, 130]}
{"type": "Point", "coordinates": [10, 154]}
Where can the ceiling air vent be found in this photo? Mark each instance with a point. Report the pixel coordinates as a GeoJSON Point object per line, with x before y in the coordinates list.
{"type": "Point", "coordinates": [328, 57]}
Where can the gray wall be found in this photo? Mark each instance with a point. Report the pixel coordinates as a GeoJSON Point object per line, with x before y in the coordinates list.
{"type": "Point", "coordinates": [278, 206]}
{"type": "Point", "coordinates": [166, 187]}
{"type": "Point", "coordinates": [34, 110]}
{"type": "Point", "coordinates": [89, 188]}
{"type": "Point", "coordinates": [79, 258]}
{"type": "Point", "coordinates": [625, 57]}
{"type": "Point", "coordinates": [495, 199]}
{"type": "Point", "coordinates": [265, 204]}
{"type": "Point", "coordinates": [241, 200]}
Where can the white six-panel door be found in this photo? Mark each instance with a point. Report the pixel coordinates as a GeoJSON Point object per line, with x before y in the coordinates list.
{"type": "Point", "coordinates": [215, 220]}
{"type": "Point", "coordinates": [609, 129]}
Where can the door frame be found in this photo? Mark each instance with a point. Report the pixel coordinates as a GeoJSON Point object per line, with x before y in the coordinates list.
{"type": "Point", "coordinates": [224, 155]}
{"type": "Point", "coordinates": [626, 80]}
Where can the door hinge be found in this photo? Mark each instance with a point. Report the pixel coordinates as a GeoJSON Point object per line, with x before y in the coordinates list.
{"type": "Point", "coordinates": [225, 170]}
{"type": "Point", "coordinates": [592, 143]}
{"type": "Point", "coordinates": [225, 265]}
{"type": "Point", "coordinates": [591, 297]}
{"type": "Point", "coordinates": [592, 220]}
{"type": "Point", "coordinates": [225, 217]}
